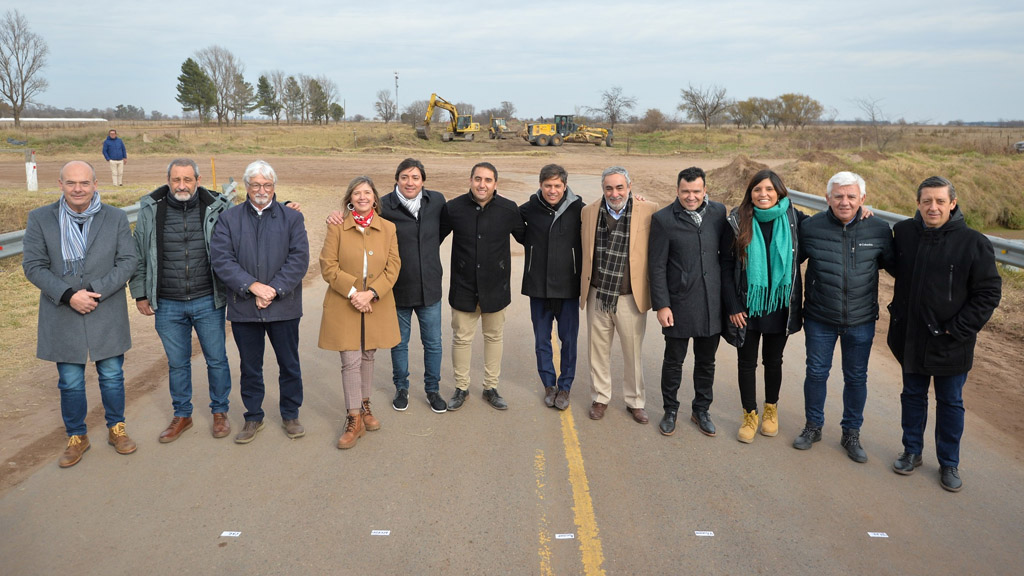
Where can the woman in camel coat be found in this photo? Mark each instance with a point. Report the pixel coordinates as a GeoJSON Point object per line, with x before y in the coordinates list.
{"type": "Point", "coordinates": [360, 263]}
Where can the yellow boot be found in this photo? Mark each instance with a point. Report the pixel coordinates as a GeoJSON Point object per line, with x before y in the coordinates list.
{"type": "Point", "coordinates": [749, 427]}
{"type": "Point", "coordinates": [770, 423]}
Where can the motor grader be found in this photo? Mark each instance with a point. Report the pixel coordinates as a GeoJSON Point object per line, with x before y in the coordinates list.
{"type": "Point", "coordinates": [565, 129]}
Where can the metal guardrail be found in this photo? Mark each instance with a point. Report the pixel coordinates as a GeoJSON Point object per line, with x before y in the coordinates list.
{"type": "Point", "coordinates": [1009, 252]}
{"type": "Point", "coordinates": [11, 242]}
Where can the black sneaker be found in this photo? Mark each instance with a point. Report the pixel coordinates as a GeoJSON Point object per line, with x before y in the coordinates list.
{"type": "Point", "coordinates": [437, 404]}
{"type": "Point", "coordinates": [703, 421]}
{"type": "Point", "coordinates": [906, 463]}
{"type": "Point", "coordinates": [401, 401]}
{"type": "Point", "coordinates": [494, 399]}
{"type": "Point", "coordinates": [807, 437]}
{"type": "Point", "coordinates": [851, 441]}
{"type": "Point", "coordinates": [950, 478]}
{"type": "Point", "coordinates": [457, 399]}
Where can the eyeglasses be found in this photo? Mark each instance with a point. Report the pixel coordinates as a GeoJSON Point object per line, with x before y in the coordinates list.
{"type": "Point", "coordinates": [255, 186]}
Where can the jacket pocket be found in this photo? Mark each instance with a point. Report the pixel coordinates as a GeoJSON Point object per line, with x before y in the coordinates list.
{"type": "Point", "coordinates": [944, 352]}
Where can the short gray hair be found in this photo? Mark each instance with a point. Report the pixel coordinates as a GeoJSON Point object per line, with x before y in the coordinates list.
{"type": "Point", "coordinates": [616, 170]}
{"type": "Point", "coordinates": [183, 163]}
{"type": "Point", "coordinates": [845, 179]}
{"type": "Point", "coordinates": [259, 168]}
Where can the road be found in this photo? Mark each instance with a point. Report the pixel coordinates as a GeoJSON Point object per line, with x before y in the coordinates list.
{"type": "Point", "coordinates": [526, 491]}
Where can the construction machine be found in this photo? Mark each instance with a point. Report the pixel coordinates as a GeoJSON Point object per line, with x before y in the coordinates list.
{"type": "Point", "coordinates": [459, 125]}
{"type": "Point", "coordinates": [499, 129]}
{"type": "Point", "coordinates": [565, 129]}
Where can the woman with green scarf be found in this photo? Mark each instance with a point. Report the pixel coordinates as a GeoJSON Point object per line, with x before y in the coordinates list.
{"type": "Point", "coordinates": [761, 293]}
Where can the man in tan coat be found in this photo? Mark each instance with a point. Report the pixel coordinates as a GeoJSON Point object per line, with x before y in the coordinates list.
{"type": "Point", "coordinates": [614, 289]}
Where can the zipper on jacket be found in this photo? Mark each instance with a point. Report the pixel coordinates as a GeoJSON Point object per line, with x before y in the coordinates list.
{"type": "Point", "coordinates": [184, 218]}
{"type": "Point", "coordinates": [573, 251]}
{"type": "Point", "coordinates": [950, 294]}
{"type": "Point", "coordinates": [529, 261]}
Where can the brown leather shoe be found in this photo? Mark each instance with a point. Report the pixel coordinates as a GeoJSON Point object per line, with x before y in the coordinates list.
{"type": "Point", "coordinates": [77, 445]}
{"type": "Point", "coordinates": [221, 425]}
{"type": "Point", "coordinates": [549, 396]}
{"type": "Point", "coordinates": [119, 439]}
{"type": "Point", "coordinates": [639, 414]}
{"type": "Point", "coordinates": [597, 410]}
{"type": "Point", "coordinates": [562, 399]}
{"type": "Point", "coordinates": [178, 425]}
{"type": "Point", "coordinates": [293, 429]}
{"type": "Point", "coordinates": [249, 431]}
{"type": "Point", "coordinates": [370, 421]}
{"type": "Point", "coordinates": [354, 430]}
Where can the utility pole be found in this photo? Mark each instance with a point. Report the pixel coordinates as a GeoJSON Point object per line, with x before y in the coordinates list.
{"type": "Point", "coordinates": [397, 115]}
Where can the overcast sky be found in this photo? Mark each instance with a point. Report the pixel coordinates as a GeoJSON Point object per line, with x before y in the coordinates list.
{"type": "Point", "coordinates": [936, 60]}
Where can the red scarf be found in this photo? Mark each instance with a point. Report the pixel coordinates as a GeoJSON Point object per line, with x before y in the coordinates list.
{"type": "Point", "coordinates": [361, 221]}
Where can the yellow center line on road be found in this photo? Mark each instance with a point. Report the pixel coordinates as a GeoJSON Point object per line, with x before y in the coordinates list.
{"type": "Point", "coordinates": [543, 531]}
{"type": "Point", "coordinates": [583, 506]}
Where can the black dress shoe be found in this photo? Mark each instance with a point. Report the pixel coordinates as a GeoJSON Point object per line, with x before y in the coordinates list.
{"type": "Point", "coordinates": [851, 441]}
{"type": "Point", "coordinates": [906, 463]}
{"type": "Point", "coordinates": [950, 478]}
{"type": "Point", "coordinates": [457, 399]}
{"type": "Point", "coordinates": [668, 423]}
{"type": "Point", "coordinates": [703, 421]}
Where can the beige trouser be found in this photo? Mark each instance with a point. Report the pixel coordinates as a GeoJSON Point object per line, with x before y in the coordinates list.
{"type": "Point", "coordinates": [463, 331]}
{"type": "Point", "coordinates": [629, 323]}
{"type": "Point", "coordinates": [356, 376]}
{"type": "Point", "coordinates": [117, 171]}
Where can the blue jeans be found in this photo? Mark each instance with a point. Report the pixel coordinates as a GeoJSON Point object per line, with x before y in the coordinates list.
{"type": "Point", "coordinates": [175, 320]}
{"type": "Point", "coordinates": [855, 343]}
{"type": "Point", "coordinates": [250, 337]}
{"type": "Point", "coordinates": [430, 335]}
{"type": "Point", "coordinates": [73, 404]}
{"type": "Point", "coordinates": [568, 318]}
{"type": "Point", "coordinates": [949, 414]}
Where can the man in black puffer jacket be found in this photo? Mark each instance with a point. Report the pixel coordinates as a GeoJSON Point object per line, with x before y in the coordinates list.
{"type": "Point", "coordinates": [947, 286]}
{"type": "Point", "coordinates": [844, 251]}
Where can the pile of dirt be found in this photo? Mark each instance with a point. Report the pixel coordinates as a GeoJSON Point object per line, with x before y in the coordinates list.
{"type": "Point", "coordinates": [728, 183]}
{"type": "Point", "coordinates": [821, 158]}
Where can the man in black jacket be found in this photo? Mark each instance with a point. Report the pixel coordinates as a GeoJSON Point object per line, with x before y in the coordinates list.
{"type": "Point", "coordinates": [416, 214]}
{"type": "Point", "coordinates": [551, 278]}
{"type": "Point", "coordinates": [947, 286]}
{"type": "Point", "coordinates": [481, 222]}
{"type": "Point", "coordinates": [844, 252]}
{"type": "Point", "coordinates": [686, 291]}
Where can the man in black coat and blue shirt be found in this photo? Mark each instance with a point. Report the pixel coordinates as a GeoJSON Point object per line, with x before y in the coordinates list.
{"type": "Point", "coordinates": [551, 278]}
{"type": "Point", "coordinates": [844, 252]}
{"type": "Point", "coordinates": [481, 269]}
{"type": "Point", "coordinates": [416, 214]}
{"type": "Point", "coordinates": [687, 237]}
{"type": "Point", "coordinates": [947, 286]}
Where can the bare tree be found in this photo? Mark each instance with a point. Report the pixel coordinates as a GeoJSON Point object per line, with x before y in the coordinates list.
{"type": "Point", "coordinates": [22, 57]}
{"type": "Point", "coordinates": [882, 130]}
{"type": "Point", "coordinates": [704, 105]}
{"type": "Point", "coordinates": [614, 105]}
{"type": "Point", "coordinates": [223, 68]}
{"type": "Point", "coordinates": [385, 106]}
{"type": "Point", "coordinates": [279, 82]}
{"type": "Point", "coordinates": [507, 110]}
{"type": "Point", "coordinates": [330, 90]}
{"type": "Point", "coordinates": [414, 112]}
{"type": "Point", "coordinates": [652, 121]}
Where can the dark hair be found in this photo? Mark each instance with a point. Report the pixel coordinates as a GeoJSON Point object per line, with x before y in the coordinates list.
{"type": "Point", "coordinates": [746, 210]}
{"type": "Point", "coordinates": [352, 186]}
{"type": "Point", "coordinates": [690, 175]}
{"type": "Point", "coordinates": [553, 171]}
{"type": "Point", "coordinates": [487, 165]}
{"type": "Point", "coordinates": [411, 163]}
{"type": "Point", "coordinates": [937, 182]}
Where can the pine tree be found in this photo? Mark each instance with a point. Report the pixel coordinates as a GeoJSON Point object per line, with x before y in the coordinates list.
{"type": "Point", "coordinates": [196, 92]}
{"type": "Point", "coordinates": [267, 100]}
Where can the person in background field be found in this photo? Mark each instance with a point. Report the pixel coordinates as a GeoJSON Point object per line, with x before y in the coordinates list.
{"type": "Point", "coordinates": [175, 283]}
{"type": "Point", "coordinates": [481, 222]}
{"type": "Point", "coordinates": [761, 293]}
{"type": "Point", "coordinates": [844, 249]}
{"type": "Point", "coordinates": [116, 155]}
{"type": "Point", "coordinates": [614, 289]}
{"type": "Point", "coordinates": [261, 253]}
{"type": "Point", "coordinates": [360, 263]}
{"type": "Point", "coordinates": [947, 286]}
{"type": "Point", "coordinates": [551, 278]}
{"type": "Point", "coordinates": [687, 238]}
{"type": "Point", "coordinates": [79, 253]}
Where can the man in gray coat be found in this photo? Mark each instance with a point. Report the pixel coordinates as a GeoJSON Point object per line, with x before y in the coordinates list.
{"type": "Point", "coordinates": [686, 291]}
{"type": "Point", "coordinates": [79, 253]}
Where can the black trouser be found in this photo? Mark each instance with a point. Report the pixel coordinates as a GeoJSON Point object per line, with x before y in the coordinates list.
{"type": "Point", "coordinates": [704, 350]}
{"type": "Point", "coordinates": [771, 359]}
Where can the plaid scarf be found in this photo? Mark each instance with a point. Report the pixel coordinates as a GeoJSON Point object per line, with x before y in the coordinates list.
{"type": "Point", "coordinates": [74, 232]}
{"type": "Point", "coordinates": [697, 215]}
{"type": "Point", "coordinates": [612, 250]}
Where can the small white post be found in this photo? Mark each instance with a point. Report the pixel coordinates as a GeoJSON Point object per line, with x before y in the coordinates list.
{"type": "Point", "coordinates": [30, 171]}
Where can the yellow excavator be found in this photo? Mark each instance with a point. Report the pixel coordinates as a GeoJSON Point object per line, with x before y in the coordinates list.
{"type": "Point", "coordinates": [459, 126]}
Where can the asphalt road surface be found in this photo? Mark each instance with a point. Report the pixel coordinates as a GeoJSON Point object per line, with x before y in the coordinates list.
{"type": "Point", "coordinates": [525, 491]}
